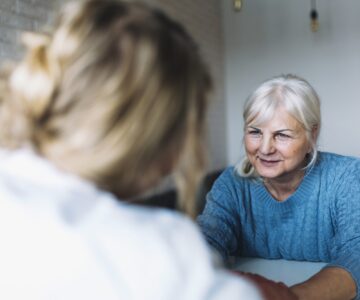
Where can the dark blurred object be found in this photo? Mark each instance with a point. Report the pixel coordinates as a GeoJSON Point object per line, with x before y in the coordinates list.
{"type": "Point", "coordinates": [167, 199]}
{"type": "Point", "coordinates": [269, 289]}
{"type": "Point", "coordinates": [314, 17]}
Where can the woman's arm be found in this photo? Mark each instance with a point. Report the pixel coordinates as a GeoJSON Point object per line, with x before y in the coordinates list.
{"type": "Point", "coordinates": [341, 278]}
{"type": "Point", "coordinates": [331, 283]}
{"type": "Point", "coordinates": [220, 222]}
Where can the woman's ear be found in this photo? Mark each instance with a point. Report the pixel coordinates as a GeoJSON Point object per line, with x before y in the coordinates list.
{"type": "Point", "coordinates": [315, 132]}
{"type": "Point", "coordinates": [314, 136]}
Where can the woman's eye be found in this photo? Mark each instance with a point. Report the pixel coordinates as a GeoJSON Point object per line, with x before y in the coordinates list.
{"type": "Point", "coordinates": [254, 132]}
{"type": "Point", "coordinates": [282, 136]}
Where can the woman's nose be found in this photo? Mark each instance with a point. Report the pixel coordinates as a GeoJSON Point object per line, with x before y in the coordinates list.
{"type": "Point", "coordinates": [267, 145]}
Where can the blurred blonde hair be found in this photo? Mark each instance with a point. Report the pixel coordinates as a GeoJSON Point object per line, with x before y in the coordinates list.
{"type": "Point", "coordinates": [299, 99]}
{"type": "Point", "coordinates": [111, 94]}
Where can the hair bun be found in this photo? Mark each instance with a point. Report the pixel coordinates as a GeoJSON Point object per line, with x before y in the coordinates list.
{"type": "Point", "coordinates": [33, 81]}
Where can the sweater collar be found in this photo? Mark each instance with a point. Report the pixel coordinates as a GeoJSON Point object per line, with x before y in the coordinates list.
{"type": "Point", "coordinates": [298, 198]}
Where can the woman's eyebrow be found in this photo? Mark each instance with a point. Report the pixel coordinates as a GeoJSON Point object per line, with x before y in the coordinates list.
{"type": "Point", "coordinates": [282, 130]}
{"type": "Point", "coordinates": [253, 127]}
{"type": "Point", "coordinates": [276, 131]}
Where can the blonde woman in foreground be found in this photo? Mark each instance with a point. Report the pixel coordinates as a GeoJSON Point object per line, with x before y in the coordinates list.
{"type": "Point", "coordinates": [101, 109]}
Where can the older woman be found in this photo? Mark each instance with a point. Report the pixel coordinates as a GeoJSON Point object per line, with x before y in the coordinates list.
{"type": "Point", "coordinates": [286, 199]}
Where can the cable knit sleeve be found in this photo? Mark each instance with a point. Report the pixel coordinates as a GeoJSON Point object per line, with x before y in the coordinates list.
{"type": "Point", "coordinates": [219, 221]}
{"type": "Point", "coordinates": [346, 212]}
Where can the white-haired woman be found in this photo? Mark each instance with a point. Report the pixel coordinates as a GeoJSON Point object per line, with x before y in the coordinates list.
{"type": "Point", "coordinates": [286, 199]}
{"type": "Point", "coordinates": [98, 111]}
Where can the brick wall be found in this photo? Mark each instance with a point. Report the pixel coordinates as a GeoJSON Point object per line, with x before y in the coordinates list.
{"type": "Point", "coordinates": [201, 17]}
{"type": "Point", "coordinates": [17, 16]}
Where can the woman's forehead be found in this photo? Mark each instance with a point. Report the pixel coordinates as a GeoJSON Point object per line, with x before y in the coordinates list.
{"type": "Point", "coordinates": [277, 119]}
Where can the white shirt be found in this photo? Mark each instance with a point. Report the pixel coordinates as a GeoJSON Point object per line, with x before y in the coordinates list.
{"type": "Point", "coordinates": [62, 238]}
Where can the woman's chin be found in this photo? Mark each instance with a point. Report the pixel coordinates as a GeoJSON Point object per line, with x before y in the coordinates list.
{"type": "Point", "coordinates": [268, 173]}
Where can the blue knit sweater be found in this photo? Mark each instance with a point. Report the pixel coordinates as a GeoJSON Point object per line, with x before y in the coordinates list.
{"type": "Point", "coordinates": [320, 221]}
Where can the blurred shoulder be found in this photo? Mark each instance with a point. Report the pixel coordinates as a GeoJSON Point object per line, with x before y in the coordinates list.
{"type": "Point", "coordinates": [143, 229]}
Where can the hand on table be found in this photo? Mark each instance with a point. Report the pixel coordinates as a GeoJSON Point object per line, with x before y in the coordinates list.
{"type": "Point", "coordinates": [269, 289]}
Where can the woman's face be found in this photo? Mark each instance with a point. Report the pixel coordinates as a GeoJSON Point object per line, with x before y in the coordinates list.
{"type": "Point", "coordinates": [277, 147]}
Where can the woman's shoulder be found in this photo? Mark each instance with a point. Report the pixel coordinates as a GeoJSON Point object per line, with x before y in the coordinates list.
{"type": "Point", "coordinates": [144, 229]}
{"type": "Point", "coordinates": [230, 175]}
{"type": "Point", "coordinates": [337, 161]}
{"type": "Point", "coordinates": [337, 156]}
{"type": "Point", "coordinates": [230, 185]}
{"type": "Point", "coordinates": [338, 167]}
{"type": "Point", "coordinates": [169, 246]}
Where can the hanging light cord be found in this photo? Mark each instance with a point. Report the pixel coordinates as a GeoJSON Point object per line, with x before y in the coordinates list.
{"type": "Point", "coordinates": [314, 16]}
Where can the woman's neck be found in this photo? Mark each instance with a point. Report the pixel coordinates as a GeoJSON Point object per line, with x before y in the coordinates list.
{"type": "Point", "coordinates": [283, 187]}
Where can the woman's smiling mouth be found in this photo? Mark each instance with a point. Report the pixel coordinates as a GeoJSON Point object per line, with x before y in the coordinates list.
{"type": "Point", "coordinates": [268, 162]}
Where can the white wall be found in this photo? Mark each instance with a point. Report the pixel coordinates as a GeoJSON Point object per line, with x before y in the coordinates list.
{"type": "Point", "coordinates": [270, 37]}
